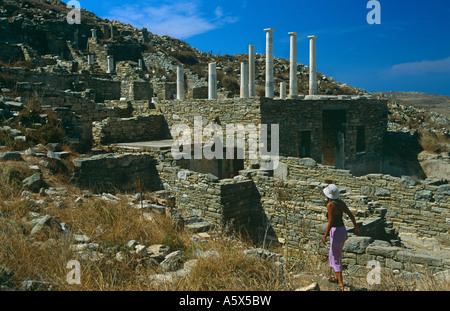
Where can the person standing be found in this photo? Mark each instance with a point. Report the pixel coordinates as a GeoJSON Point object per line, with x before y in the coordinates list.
{"type": "Point", "coordinates": [337, 231]}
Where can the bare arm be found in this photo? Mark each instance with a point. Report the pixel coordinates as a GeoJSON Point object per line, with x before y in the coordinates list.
{"type": "Point", "coordinates": [330, 221]}
{"type": "Point", "coordinates": [352, 218]}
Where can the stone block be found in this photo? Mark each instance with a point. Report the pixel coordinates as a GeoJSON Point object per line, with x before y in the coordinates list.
{"type": "Point", "coordinates": [357, 244]}
{"type": "Point", "coordinates": [384, 251]}
{"type": "Point", "coordinates": [423, 195]}
{"type": "Point", "coordinates": [382, 192]}
{"type": "Point", "coordinates": [405, 256]}
{"type": "Point", "coordinates": [445, 189]}
{"type": "Point", "coordinates": [307, 162]}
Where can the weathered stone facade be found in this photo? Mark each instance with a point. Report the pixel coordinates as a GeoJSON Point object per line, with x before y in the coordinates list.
{"type": "Point", "coordinates": [304, 125]}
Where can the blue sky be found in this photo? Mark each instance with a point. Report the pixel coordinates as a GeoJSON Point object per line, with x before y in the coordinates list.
{"type": "Point", "coordinates": [408, 51]}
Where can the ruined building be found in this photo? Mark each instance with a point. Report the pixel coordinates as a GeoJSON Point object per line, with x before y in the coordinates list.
{"type": "Point", "coordinates": [120, 95]}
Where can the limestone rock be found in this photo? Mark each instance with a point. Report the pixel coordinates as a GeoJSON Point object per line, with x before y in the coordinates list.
{"type": "Point", "coordinates": [202, 226]}
{"type": "Point", "coordinates": [307, 162]}
{"type": "Point", "coordinates": [313, 287]}
{"type": "Point", "coordinates": [10, 156]}
{"type": "Point", "coordinates": [357, 244]}
{"type": "Point", "coordinates": [423, 195]}
{"type": "Point", "coordinates": [445, 189]}
{"type": "Point", "coordinates": [34, 182]}
{"type": "Point", "coordinates": [172, 262]}
{"type": "Point", "coordinates": [46, 221]}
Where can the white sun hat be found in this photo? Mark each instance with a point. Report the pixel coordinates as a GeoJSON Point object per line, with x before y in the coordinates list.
{"type": "Point", "coordinates": [332, 192]}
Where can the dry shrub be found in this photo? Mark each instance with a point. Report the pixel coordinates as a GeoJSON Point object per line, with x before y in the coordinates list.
{"type": "Point", "coordinates": [434, 142]}
{"type": "Point", "coordinates": [230, 84]}
{"type": "Point", "coordinates": [232, 270]}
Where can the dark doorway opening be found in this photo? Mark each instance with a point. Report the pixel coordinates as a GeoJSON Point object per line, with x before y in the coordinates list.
{"type": "Point", "coordinates": [304, 144]}
{"type": "Point", "coordinates": [226, 167]}
{"type": "Point", "coordinates": [333, 137]}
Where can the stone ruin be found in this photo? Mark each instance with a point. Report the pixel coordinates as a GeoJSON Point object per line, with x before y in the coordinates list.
{"type": "Point", "coordinates": [98, 87]}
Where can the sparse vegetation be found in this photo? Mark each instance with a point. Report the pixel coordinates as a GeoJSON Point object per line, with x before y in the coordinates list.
{"type": "Point", "coordinates": [434, 142]}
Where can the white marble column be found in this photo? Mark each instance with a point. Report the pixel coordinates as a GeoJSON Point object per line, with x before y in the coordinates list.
{"type": "Point", "coordinates": [141, 64]}
{"type": "Point", "coordinates": [110, 61]}
{"type": "Point", "coordinates": [94, 33]}
{"type": "Point", "coordinates": [180, 83]}
{"type": "Point", "coordinates": [90, 59]}
{"type": "Point", "coordinates": [269, 63]}
{"type": "Point", "coordinates": [312, 66]}
{"type": "Point", "coordinates": [251, 71]}
{"type": "Point", "coordinates": [244, 80]}
{"type": "Point", "coordinates": [293, 66]}
{"type": "Point", "coordinates": [282, 90]}
{"type": "Point", "coordinates": [212, 81]}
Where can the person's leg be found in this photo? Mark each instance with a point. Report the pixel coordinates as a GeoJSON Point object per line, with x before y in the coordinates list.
{"type": "Point", "coordinates": [331, 256]}
{"type": "Point", "coordinates": [339, 237]}
{"type": "Point", "coordinates": [338, 276]}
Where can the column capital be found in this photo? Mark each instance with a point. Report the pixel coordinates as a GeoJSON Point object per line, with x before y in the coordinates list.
{"type": "Point", "coordinates": [269, 29]}
{"type": "Point", "coordinates": [312, 37]}
{"type": "Point", "coordinates": [293, 33]}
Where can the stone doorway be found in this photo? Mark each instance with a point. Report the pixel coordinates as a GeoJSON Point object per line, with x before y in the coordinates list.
{"type": "Point", "coordinates": [333, 137]}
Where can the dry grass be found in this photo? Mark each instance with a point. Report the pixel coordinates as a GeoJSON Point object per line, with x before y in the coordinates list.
{"type": "Point", "coordinates": [44, 257]}
{"type": "Point", "coordinates": [432, 142]}
{"type": "Point", "coordinates": [230, 269]}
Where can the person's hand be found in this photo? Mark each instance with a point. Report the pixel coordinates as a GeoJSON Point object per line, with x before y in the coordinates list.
{"type": "Point", "coordinates": [356, 230]}
{"type": "Point", "coordinates": [324, 240]}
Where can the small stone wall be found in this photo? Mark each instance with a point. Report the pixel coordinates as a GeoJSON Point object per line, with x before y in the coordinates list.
{"type": "Point", "coordinates": [112, 172]}
{"type": "Point", "coordinates": [223, 202]}
{"type": "Point", "coordinates": [101, 86]}
{"type": "Point", "coordinates": [137, 90]}
{"type": "Point", "coordinates": [140, 128]}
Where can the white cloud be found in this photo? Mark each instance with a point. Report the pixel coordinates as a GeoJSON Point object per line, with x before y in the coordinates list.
{"type": "Point", "coordinates": [426, 66]}
{"type": "Point", "coordinates": [178, 19]}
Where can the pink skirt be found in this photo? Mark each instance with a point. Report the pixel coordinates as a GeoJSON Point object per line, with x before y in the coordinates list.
{"type": "Point", "coordinates": [338, 236]}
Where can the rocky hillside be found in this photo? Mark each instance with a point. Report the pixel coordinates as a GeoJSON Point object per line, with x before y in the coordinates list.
{"type": "Point", "coordinates": [433, 103]}
{"type": "Point", "coordinates": [40, 30]}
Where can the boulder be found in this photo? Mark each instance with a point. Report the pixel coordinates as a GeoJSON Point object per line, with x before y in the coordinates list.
{"type": "Point", "coordinates": [384, 251]}
{"type": "Point", "coordinates": [382, 192]}
{"type": "Point", "coordinates": [31, 285]}
{"type": "Point", "coordinates": [6, 275]}
{"type": "Point", "coordinates": [202, 226]}
{"type": "Point", "coordinates": [357, 244]}
{"type": "Point", "coordinates": [10, 156]}
{"type": "Point", "coordinates": [422, 259]}
{"type": "Point", "coordinates": [45, 221]}
{"type": "Point", "coordinates": [33, 183]}
{"type": "Point", "coordinates": [313, 287]}
{"type": "Point", "coordinates": [158, 250]}
{"type": "Point", "coordinates": [408, 181]}
{"type": "Point", "coordinates": [307, 162]}
{"type": "Point", "coordinates": [172, 262]}
{"type": "Point", "coordinates": [444, 189]}
{"type": "Point", "coordinates": [423, 195]}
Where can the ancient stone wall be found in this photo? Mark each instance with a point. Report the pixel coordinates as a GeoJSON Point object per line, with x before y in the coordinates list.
{"type": "Point", "coordinates": [223, 202]}
{"type": "Point", "coordinates": [404, 224]}
{"type": "Point", "coordinates": [112, 172]}
{"type": "Point", "coordinates": [140, 128]}
{"type": "Point", "coordinates": [137, 90]}
{"type": "Point", "coordinates": [102, 88]}
{"type": "Point", "coordinates": [295, 117]}
{"type": "Point", "coordinates": [10, 53]}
